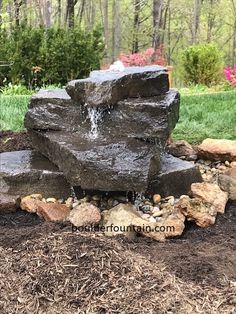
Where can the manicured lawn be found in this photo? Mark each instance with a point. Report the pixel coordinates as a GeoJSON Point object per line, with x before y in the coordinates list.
{"type": "Point", "coordinates": [201, 116]}
{"type": "Point", "coordinates": [12, 111]}
{"type": "Point", "coordinates": [209, 115]}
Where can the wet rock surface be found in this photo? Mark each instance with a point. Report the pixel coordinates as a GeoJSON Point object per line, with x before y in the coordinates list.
{"type": "Point", "coordinates": [175, 177]}
{"type": "Point", "coordinates": [109, 87]}
{"type": "Point", "coordinates": [26, 172]}
{"type": "Point", "coordinates": [100, 164]}
{"type": "Point", "coordinates": [153, 117]}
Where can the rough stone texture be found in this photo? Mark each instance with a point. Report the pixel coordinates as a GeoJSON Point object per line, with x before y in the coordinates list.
{"type": "Point", "coordinates": [100, 164]}
{"type": "Point", "coordinates": [211, 194]}
{"type": "Point", "coordinates": [118, 220]}
{"type": "Point", "coordinates": [26, 172]}
{"type": "Point", "coordinates": [182, 149]}
{"type": "Point", "coordinates": [214, 149]}
{"type": "Point", "coordinates": [56, 97]}
{"type": "Point", "coordinates": [196, 210]}
{"type": "Point", "coordinates": [48, 211]}
{"type": "Point", "coordinates": [175, 177]}
{"type": "Point", "coordinates": [171, 226]}
{"type": "Point", "coordinates": [8, 203]}
{"type": "Point", "coordinates": [152, 117]}
{"type": "Point", "coordinates": [31, 202]}
{"type": "Point", "coordinates": [109, 87]}
{"type": "Point", "coordinates": [84, 215]}
{"type": "Point", "coordinates": [53, 211]}
{"type": "Point", "coordinates": [227, 182]}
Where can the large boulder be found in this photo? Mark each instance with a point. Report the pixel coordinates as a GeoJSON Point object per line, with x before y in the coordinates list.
{"type": "Point", "coordinates": [104, 88]}
{"type": "Point", "coordinates": [102, 164]}
{"type": "Point", "coordinates": [153, 117]}
{"type": "Point", "coordinates": [27, 172]}
{"type": "Point", "coordinates": [214, 149]}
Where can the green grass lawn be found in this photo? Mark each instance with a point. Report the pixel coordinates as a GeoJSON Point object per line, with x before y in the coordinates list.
{"type": "Point", "coordinates": [209, 115]}
{"type": "Point", "coordinates": [201, 116]}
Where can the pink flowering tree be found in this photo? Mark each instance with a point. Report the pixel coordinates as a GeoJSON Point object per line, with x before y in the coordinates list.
{"type": "Point", "coordinates": [230, 75]}
{"type": "Point", "coordinates": [147, 57]}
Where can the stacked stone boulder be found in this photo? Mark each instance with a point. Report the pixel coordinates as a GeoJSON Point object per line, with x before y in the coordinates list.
{"type": "Point", "coordinates": [133, 112]}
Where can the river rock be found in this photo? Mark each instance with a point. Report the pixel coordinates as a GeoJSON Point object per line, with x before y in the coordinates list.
{"type": "Point", "coordinates": [118, 220]}
{"type": "Point", "coordinates": [214, 149]}
{"type": "Point", "coordinates": [227, 182]}
{"type": "Point", "coordinates": [211, 194]}
{"type": "Point", "coordinates": [8, 203]}
{"type": "Point", "coordinates": [47, 211]}
{"type": "Point", "coordinates": [196, 210]}
{"type": "Point", "coordinates": [171, 226]}
{"type": "Point", "coordinates": [27, 172]}
{"type": "Point", "coordinates": [152, 117]}
{"type": "Point", "coordinates": [182, 149]}
{"type": "Point", "coordinates": [108, 87]}
{"type": "Point", "coordinates": [175, 177]}
{"type": "Point", "coordinates": [85, 214]}
{"type": "Point", "coordinates": [100, 164]}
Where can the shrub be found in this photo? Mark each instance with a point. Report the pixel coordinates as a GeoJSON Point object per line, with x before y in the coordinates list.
{"type": "Point", "coordinates": [51, 56]}
{"type": "Point", "coordinates": [202, 64]}
{"type": "Point", "coordinates": [230, 75]}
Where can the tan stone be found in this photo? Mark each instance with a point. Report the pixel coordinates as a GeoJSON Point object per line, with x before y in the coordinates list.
{"type": "Point", "coordinates": [8, 203]}
{"type": "Point", "coordinates": [53, 211]}
{"type": "Point", "coordinates": [215, 149]}
{"type": "Point", "coordinates": [196, 210]}
{"type": "Point", "coordinates": [211, 194]}
{"type": "Point", "coordinates": [47, 211]}
{"type": "Point", "coordinates": [227, 182]}
{"type": "Point", "coordinates": [171, 226]}
{"type": "Point", "coordinates": [30, 203]}
{"type": "Point", "coordinates": [118, 220]}
{"type": "Point", "coordinates": [156, 198]}
{"type": "Point", "coordinates": [85, 214]}
{"type": "Point", "coordinates": [182, 149]}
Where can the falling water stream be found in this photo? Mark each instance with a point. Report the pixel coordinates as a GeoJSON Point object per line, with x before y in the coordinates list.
{"type": "Point", "coordinates": [95, 116]}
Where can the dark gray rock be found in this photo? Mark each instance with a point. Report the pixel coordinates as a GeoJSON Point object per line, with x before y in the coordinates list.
{"type": "Point", "coordinates": [153, 117]}
{"type": "Point", "coordinates": [175, 177]}
{"type": "Point", "coordinates": [107, 87]}
{"type": "Point", "coordinates": [46, 96]}
{"type": "Point", "coordinates": [27, 172]}
{"type": "Point", "coordinates": [101, 164]}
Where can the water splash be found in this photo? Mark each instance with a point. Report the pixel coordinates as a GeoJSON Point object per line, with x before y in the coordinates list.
{"type": "Point", "coordinates": [95, 116]}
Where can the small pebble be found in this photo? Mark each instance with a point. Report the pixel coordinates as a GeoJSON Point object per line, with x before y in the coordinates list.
{"type": "Point", "coordinates": [96, 198]}
{"type": "Point", "coordinates": [233, 164]}
{"type": "Point", "coordinates": [152, 219]}
{"type": "Point", "coordinates": [156, 198]}
{"type": "Point", "coordinates": [145, 216]}
{"type": "Point", "coordinates": [227, 163]}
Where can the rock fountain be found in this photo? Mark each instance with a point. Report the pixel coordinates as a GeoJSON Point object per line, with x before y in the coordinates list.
{"type": "Point", "coordinates": [108, 132]}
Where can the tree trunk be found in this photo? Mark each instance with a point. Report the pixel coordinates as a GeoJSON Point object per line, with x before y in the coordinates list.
{"type": "Point", "coordinates": [157, 12]}
{"type": "Point", "coordinates": [0, 13]}
{"type": "Point", "coordinates": [17, 5]}
{"type": "Point", "coordinates": [234, 35]}
{"type": "Point", "coordinates": [116, 30]}
{"type": "Point", "coordinates": [196, 20]}
{"type": "Point", "coordinates": [106, 28]}
{"type": "Point", "coordinates": [48, 14]}
{"type": "Point", "coordinates": [135, 45]}
{"type": "Point", "coordinates": [70, 12]}
{"type": "Point", "coordinates": [81, 11]}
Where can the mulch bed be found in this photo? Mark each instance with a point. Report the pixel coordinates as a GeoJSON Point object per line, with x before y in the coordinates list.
{"type": "Point", "coordinates": [13, 141]}
{"type": "Point", "coordinates": [45, 268]}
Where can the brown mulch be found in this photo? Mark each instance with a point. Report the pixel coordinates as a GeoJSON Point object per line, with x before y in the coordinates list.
{"type": "Point", "coordinates": [45, 268]}
{"type": "Point", "coordinates": [13, 141]}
